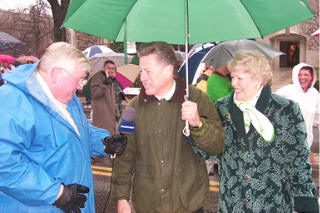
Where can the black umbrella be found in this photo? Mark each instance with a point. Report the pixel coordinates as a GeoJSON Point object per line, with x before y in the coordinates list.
{"type": "Point", "coordinates": [8, 42]}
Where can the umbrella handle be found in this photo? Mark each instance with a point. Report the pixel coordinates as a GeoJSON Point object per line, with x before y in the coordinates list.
{"type": "Point", "coordinates": [186, 130]}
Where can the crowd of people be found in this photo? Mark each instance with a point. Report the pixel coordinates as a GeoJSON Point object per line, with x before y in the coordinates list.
{"type": "Point", "coordinates": [260, 140]}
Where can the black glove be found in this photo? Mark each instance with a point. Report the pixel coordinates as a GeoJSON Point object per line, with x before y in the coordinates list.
{"type": "Point", "coordinates": [115, 144]}
{"type": "Point", "coordinates": [71, 200]}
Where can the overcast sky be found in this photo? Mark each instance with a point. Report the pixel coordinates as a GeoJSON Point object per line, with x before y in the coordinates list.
{"type": "Point", "coordinates": [15, 4]}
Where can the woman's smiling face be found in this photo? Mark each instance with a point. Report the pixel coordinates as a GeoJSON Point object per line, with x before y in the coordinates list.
{"type": "Point", "coordinates": [245, 87]}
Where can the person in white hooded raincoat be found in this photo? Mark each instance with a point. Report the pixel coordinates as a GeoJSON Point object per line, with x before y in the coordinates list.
{"type": "Point", "coordinates": [45, 140]}
{"type": "Point", "coordinates": [302, 91]}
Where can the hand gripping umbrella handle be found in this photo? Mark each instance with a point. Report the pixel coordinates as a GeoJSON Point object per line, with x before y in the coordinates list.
{"type": "Point", "coordinates": [186, 130]}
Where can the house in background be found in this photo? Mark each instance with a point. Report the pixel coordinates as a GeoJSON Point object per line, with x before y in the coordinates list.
{"type": "Point", "coordinates": [298, 46]}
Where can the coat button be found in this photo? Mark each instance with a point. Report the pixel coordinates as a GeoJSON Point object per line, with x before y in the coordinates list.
{"type": "Point", "coordinates": [245, 201]}
{"type": "Point", "coordinates": [245, 177]}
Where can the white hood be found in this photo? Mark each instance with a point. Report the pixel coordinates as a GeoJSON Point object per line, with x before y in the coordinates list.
{"type": "Point", "coordinates": [295, 73]}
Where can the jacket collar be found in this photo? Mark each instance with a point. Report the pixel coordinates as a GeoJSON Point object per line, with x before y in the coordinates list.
{"type": "Point", "coordinates": [178, 95]}
{"type": "Point", "coordinates": [237, 115]}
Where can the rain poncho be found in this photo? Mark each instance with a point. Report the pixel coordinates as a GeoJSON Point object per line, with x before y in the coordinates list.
{"type": "Point", "coordinates": [307, 101]}
{"type": "Point", "coordinates": [39, 149]}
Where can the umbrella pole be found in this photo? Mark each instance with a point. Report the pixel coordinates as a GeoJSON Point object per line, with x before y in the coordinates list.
{"type": "Point", "coordinates": [186, 130]}
{"type": "Point", "coordinates": [125, 44]}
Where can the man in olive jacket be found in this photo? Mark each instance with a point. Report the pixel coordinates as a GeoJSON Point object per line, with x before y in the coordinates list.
{"type": "Point", "coordinates": [160, 167]}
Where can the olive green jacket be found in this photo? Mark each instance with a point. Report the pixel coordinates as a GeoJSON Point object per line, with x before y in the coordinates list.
{"type": "Point", "coordinates": [160, 167]}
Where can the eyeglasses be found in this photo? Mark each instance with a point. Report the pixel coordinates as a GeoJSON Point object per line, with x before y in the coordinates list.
{"type": "Point", "coordinates": [80, 82]}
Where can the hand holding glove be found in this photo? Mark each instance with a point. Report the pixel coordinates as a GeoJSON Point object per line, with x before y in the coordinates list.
{"type": "Point", "coordinates": [71, 200]}
{"type": "Point", "coordinates": [115, 144]}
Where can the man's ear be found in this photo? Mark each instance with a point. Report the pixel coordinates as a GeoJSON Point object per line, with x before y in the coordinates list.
{"type": "Point", "coordinates": [55, 73]}
{"type": "Point", "coordinates": [169, 70]}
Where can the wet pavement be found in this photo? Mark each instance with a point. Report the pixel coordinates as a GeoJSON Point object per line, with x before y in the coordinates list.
{"type": "Point", "coordinates": [102, 166]}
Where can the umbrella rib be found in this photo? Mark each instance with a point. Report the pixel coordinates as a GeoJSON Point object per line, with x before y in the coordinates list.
{"type": "Point", "coordinates": [251, 18]}
{"type": "Point", "coordinates": [124, 20]}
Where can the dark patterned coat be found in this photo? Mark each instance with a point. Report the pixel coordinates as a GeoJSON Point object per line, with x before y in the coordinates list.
{"type": "Point", "coordinates": [260, 176]}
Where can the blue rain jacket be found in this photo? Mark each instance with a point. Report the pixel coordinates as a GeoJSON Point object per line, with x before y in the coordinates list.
{"type": "Point", "coordinates": [39, 149]}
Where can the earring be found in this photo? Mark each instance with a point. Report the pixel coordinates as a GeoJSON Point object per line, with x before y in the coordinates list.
{"type": "Point", "coordinates": [258, 86]}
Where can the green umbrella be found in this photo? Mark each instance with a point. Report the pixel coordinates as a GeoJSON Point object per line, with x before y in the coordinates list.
{"type": "Point", "coordinates": [172, 20]}
{"type": "Point", "coordinates": [165, 20]}
{"type": "Point", "coordinates": [184, 21]}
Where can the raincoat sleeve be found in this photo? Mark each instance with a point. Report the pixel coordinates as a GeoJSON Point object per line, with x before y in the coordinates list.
{"type": "Point", "coordinates": [95, 134]}
{"type": "Point", "coordinates": [300, 170]}
{"type": "Point", "coordinates": [210, 136]}
{"type": "Point", "coordinates": [95, 140]}
{"type": "Point", "coordinates": [20, 177]}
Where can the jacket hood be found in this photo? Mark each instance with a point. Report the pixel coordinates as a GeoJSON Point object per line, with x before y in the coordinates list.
{"type": "Point", "coordinates": [24, 78]}
{"type": "Point", "coordinates": [18, 76]}
{"type": "Point", "coordinates": [295, 72]}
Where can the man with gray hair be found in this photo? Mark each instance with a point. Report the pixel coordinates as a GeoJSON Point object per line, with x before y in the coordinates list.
{"type": "Point", "coordinates": [46, 141]}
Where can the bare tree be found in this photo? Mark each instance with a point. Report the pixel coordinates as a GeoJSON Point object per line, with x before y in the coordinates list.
{"type": "Point", "coordinates": [33, 26]}
{"type": "Point", "coordinates": [40, 25]}
{"type": "Point", "coordinates": [310, 26]}
{"type": "Point", "coordinates": [59, 10]}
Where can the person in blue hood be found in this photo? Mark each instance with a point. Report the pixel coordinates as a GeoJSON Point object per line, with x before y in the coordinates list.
{"type": "Point", "coordinates": [46, 141]}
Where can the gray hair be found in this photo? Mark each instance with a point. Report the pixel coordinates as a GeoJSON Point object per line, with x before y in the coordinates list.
{"type": "Point", "coordinates": [64, 55]}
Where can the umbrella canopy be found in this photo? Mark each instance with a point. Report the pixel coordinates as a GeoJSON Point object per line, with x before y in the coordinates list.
{"type": "Point", "coordinates": [207, 20]}
{"type": "Point", "coordinates": [8, 42]}
{"type": "Point", "coordinates": [97, 61]}
{"type": "Point", "coordinates": [194, 62]}
{"type": "Point", "coordinates": [184, 21]}
{"type": "Point", "coordinates": [316, 33]}
{"type": "Point", "coordinates": [181, 56]}
{"type": "Point", "coordinates": [127, 74]}
{"type": "Point", "coordinates": [198, 47]}
{"type": "Point", "coordinates": [8, 58]}
{"type": "Point", "coordinates": [91, 51]}
{"type": "Point", "coordinates": [224, 51]}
